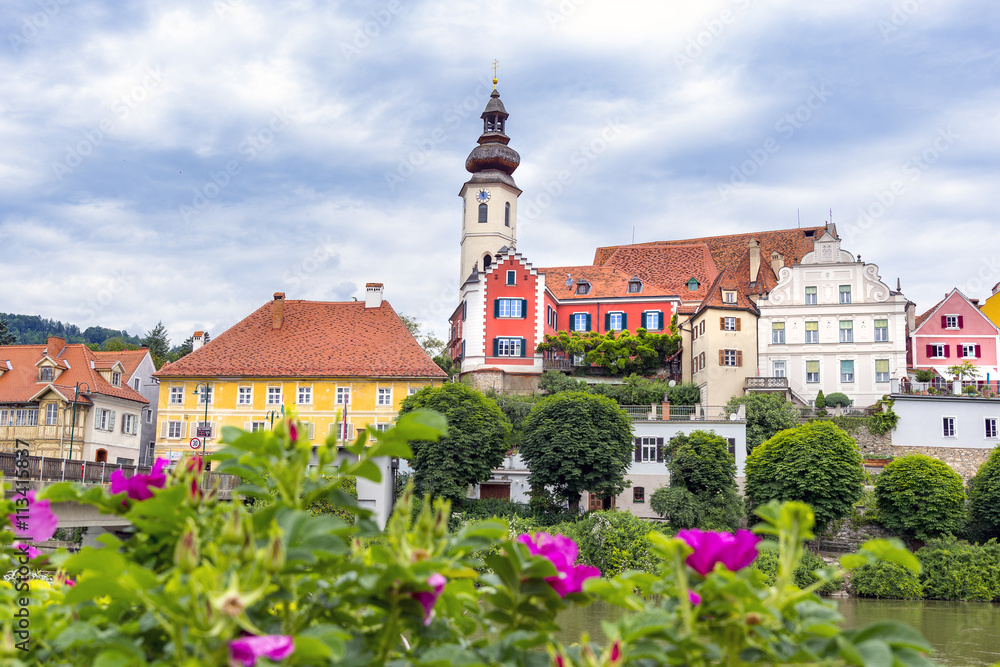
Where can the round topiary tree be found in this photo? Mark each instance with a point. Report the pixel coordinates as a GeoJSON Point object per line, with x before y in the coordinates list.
{"type": "Point", "coordinates": [838, 400]}
{"type": "Point", "coordinates": [702, 492]}
{"type": "Point", "coordinates": [816, 463]}
{"type": "Point", "coordinates": [984, 499]}
{"type": "Point", "coordinates": [920, 497]}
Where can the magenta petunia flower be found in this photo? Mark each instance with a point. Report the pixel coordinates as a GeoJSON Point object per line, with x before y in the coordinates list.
{"type": "Point", "coordinates": [37, 523]}
{"type": "Point", "coordinates": [734, 551]}
{"type": "Point", "coordinates": [139, 487]}
{"type": "Point", "coordinates": [616, 652]}
{"type": "Point", "coordinates": [427, 598]}
{"type": "Point", "coordinates": [293, 432]}
{"type": "Point", "coordinates": [561, 551]}
{"type": "Point", "coordinates": [246, 650]}
{"type": "Point", "coordinates": [694, 598]}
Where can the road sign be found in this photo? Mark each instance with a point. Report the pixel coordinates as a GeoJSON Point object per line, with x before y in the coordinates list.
{"type": "Point", "coordinates": [195, 443]}
{"type": "Point", "coordinates": [204, 431]}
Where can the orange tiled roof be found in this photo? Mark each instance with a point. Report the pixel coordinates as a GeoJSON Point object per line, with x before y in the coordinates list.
{"type": "Point", "coordinates": [919, 321]}
{"type": "Point", "coordinates": [605, 282]}
{"type": "Point", "coordinates": [130, 359]}
{"type": "Point", "coordinates": [316, 339]}
{"type": "Point", "coordinates": [21, 383]}
{"type": "Point", "coordinates": [728, 280]}
{"type": "Point", "coordinates": [669, 266]}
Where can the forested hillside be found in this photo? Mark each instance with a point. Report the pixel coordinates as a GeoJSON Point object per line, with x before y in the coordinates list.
{"type": "Point", "coordinates": [32, 329]}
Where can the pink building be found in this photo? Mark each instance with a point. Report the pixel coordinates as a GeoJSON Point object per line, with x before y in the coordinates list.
{"type": "Point", "coordinates": [954, 331]}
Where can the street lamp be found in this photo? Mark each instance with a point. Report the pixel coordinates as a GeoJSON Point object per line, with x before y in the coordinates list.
{"type": "Point", "coordinates": [72, 428]}
{"type": "Point", "coordinates": [271, 414]}
{"type": "Point", "coordinates": [204, 393]}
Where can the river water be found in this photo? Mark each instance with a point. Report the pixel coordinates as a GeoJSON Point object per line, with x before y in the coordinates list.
{"type": "Point", "coordinates": [963, 634]}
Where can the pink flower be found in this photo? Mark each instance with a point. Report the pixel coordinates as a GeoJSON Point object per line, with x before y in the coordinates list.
{"type": "Point", "coordinates": [561, 552]}
{"type": "Point", "coordinates": [734, 551]}
{"type": "Point", "coordinates": [246, 650]}
{"type": "Point", "coordinates": [27, 549]}
{"type": "Point", "coordinates": [37, 523]}
{"type": "Point", "coordinates": [694, 598]}
{"type": "Point", "coordinates": [293, 431]}
{"type": "Point", "coordinates": [139, 487]}
{"type": "Point", "coordinates": [66, 581]}
{"type": "Point", "coordinates": [196, 465]}
{"type": "Point", "coordinates": [427, 598]}
{"type": "Point", "coordinates": [616, 652]}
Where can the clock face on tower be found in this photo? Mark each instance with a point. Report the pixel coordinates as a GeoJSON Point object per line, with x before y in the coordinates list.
{"type": "Point", "coordinates": [483, 196]}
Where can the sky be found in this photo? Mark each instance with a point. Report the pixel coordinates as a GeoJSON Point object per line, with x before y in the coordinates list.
{"type": "Point", "coordinates": [182, 161]}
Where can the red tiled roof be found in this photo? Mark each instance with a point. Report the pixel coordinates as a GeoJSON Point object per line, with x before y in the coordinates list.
{"type": "Point", "coordinates": [21, 383]}
{"type": "Point", "coordinates": [727, 280]}
{"type": "Point", "coordinates": [605, 282]}
{"type": "Point", "coordinates": [669, 266]}
{"type": "Point", "coordinates": [919, 321]}
{"type": "Point", "coordinates": [130, 359]}
{"type": "Point", "coordinates": [316, 339]}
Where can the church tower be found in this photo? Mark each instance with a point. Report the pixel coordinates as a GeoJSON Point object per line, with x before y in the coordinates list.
{"type": "Point", "coordinates": [489, 198]}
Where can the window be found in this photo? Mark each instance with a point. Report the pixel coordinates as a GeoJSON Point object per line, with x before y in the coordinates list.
{"type": "Point", "coordinates": [937, 351]}
{"type": "Point", "coordinates": [845, 293]}
{"type": "Point", "coordinates": [175, 429]}
{"type": "Point", "coordinates": [177, 395]}
{"type": "Point", "coordinates": [583, 287]}
{"type": "Point", "coordinates": [384, 396]}
{"type": "Point", "coordinates": [343, 395]}
{"type": "Point", "coordinates": [487, 261]}
{"type": "Point", "coordinates": [116, 378]}
{"type": "Point", "coordinates": [810, 296]}
{"type": "Point", "coordinates": [693, 284]}
{"type": "Point", "coordinates": [634, 286]}
{"type": "Point", "coordinates": [135, 383]}
{"type": "Point", "coordinates": [812, 332]}
{"type": "Point", "coordinates": [881, 331]}
{"type": "Point", "coordinates": [778, 333]}
{"type": "Point", "coordinates": [483, 210]}
{"type": "Point", "coordinates": [343, 431]}
{"type": "Point", "coordinates": [508, 347]}
{"type": "Point", "coordinates": [204, 393]}
{"type": "Point", "coordinates": [991, 427]}
{"type": "Point", "coordinates": [728, 296]}
{"type": "Point", "coordinates": [149, 416]}
{"type": "Point", "coordinates": [26, 417]}
{"type": "Point", "coordinates": [615, 321]}
{"type": "Point", "coordinates": [257, 426]}
{"type": "Point", "coordinates": [951, 321]}
{"type": "Point", "coordinates": [970, 350]}
{"type": "Point", "coordinates": [51, 414]}
{"type": "Point", "coordinates": [46, 374]}
{"type": "Point", "coordinates": [812, 371]}
{"type": "Point", "coordinates": [512, 277]}
{"type": "Point", "coordinates": [274, 395]}
{"type": "Point", "coordinates": [551, 317]}
{"type": "Point", "coordinates": [847, 331]}
{"type": "Point", "coordinates": [638, 494]}
{"type": "Point", "coordinates": [948, 427]}
{"type": "Point", "coordinates": [412, 390]}
{"type": "Point", "coordinates": [701, 328]}
{"type": "Point", "coordinates": [730, 358]}
{"type": "Point", "coordinates": [694, 365]}
{"type": "Point", "coordinates": [778, 369]}
{"type": "Point", "coordinates": [513, 308]}
{"type": "Point", "coordinates": [652, 320]}
{"type": "Point", "coordinates": [130, 423]}
{"type": "Point", "coordinates": [305, 395]}
{"type": "Point", "coordinates": [124, 462]}
{"type": "Point", "coordinates": [881, 370]}
{"type": "Point", "coordinates": [104, 419]}
{"type": "Point", "coordinates": [846, 370]}
{"type": "Point", "coordinates": [647, 450]}
{"type": "Point", "coordinates": [701, 361]}
{"type": "Point", "coordinates": [580, 322]}
{"type": "Point", "coordinates": [729, 323]}
{"type": "Point", "coordinates": [244, 396]}
{"type": "Point", "coordinates": [506, 214]}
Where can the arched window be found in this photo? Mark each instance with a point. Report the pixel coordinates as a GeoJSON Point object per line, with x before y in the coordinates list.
{"type": "Point", "coordinates": [506, 214]}
{"type": "Point", "coordinates": [102, 456]}
{"type": "Point", "coordinates": [487, 262]}
{"type": "Point", "coordinates": [482, 213]}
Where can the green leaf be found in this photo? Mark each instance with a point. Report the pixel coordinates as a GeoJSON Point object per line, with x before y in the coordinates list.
{"type": "Point", "coordinates": [875, 653]}
{"type": "Point", "coordinates": [90, 587]}
{"type": "Point", "coordinates": [103, 561]}
{"type": "Point", "coordinates": [114, 658]}
{"type": "Point", "coordinates": [893, 551]}
{"type": "Point", "coordinates": [895, 634]}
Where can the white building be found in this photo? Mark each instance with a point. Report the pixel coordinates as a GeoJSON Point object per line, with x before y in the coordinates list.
{"type": "Point", "coordinates": [831, 324]}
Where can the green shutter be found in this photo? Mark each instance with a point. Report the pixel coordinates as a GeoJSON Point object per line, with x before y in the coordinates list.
{"type": "Point", "coordinates": [572, 322]}
{"type": "Point", "coordinates": [496, 307]}
{"type": "Point", "coordinates": [465, 305]}
{"type": "Point", "coordinates": [642, 320]}
{"type": "Point", "coordinates": [607, 321]}
{"type": "Point", "coordinates": [588, 322]}
{"type": "Point", "coordinates": [524, 308]}
{"type": "Point", "coordinates": [524, 347]}
{"type": "Point", "coordinates": [624, 321]}
{"type": "Point", "coordinates": [495, 348]}
{"type": "Point", "coordinates": [659, 319]}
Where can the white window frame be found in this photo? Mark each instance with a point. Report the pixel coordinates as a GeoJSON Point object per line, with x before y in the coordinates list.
{"type": "Point", "coordinates": [968, 351]}
{"type": "Point", "coordinates": [847, 378]}
{"type": "Point", "coordinates": [130, 423]}
{"type": "Point", "coordinates": [844, 294]}
{"type": "Point", "coordinates": [616, 321]}
{"type": "Point", "coordinates": [171, 435]}
{"type": "Point", "coordinates": [511, 277]}
{"type": "Point", "coordinates": [272, 397]}
{"type": "Point", "coordinates": [206, 389]}
{"type": "Point", "coordinates": [135, 384]}
{"type": "Point", "coordinates": [949, 426]}
{"type": "Point", "coordinates": [991, 428]}
{"type": "Point", "coordinates": [812, 333]}
{"type": "Point", "coordinates": [728, 296]}
{"type": "Point", "coordinates": [819, 367]}
{"type": "Point", "coordinates": [410, 391]}
{"type": "Point", "coordinates": [777, 334]}
{"type": "Point", "coordinates": [510, 308]}
{"type": "Point", "coordinates": [939, 350]}
{"type": "Point", "coordinates": [244, 391]}
{"type": "Point", "coordinates": [729, 358]}
{"type": "Point", "coordinates": [779, 368]}
{"type": "Point", "coordinates": [882, 333]}
{"type": "Point", "coordinates": [655, 315]}
{"type": "Point", "coordinates": [951, 321]}
{"type": "Point", "coordinates": [847, 334]}
{"type": "Point", "coordinates": [116, 378]}
{"type": "Point", "coordinates": [729, 324]}
{"type": "Point", "coordinates": [51, 414]}
{"type": "Point", "coordinates": [635, 287]}
{"type": "Point", "coordinates": [340, 396]}
{"type": "Point", "coordinates": [176, 395]}
{"type": "Point", "coordinates": [647, 445]}
{"type": "Point", "coordinates": [814, 294]}
{"type": "Point", "coordinates": [307, 391]}
{"type": "Point", "coordinates": [258, 426]}
{"type": "Point", "coordinates": [881, 376]}
{"type": "Point", "coordinates": [579, 321]}
{"type": "Point", "coordinates": [383, 397]}
{"type": "Point", "coordinates": [508, 347]}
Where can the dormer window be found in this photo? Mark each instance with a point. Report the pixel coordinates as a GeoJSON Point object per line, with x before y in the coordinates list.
{"type": "Point", "coordinates": [583, 287]}
{"type": "Point", "coordinates": [116, 378]}
{"type": "Point", "coordinates": [693, 284]}
{"type": "Point", "coordinates": [728, 296]}
{"type": "Point", "coordinates": [635, 286]}
{"type": "Point", "coordinates": [46, 374]}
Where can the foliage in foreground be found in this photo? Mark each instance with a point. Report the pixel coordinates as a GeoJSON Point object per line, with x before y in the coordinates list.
{"type": "Point", "coordinates": [920, 497]}
{"type": "Point", "coordinates": [203, 582]}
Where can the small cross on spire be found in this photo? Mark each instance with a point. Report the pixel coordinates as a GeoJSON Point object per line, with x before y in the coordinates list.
{"type": "Point", "coordinates": [496, 63]}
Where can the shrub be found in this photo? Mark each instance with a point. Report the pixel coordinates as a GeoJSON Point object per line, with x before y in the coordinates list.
{"type": "Point", "coordinates": [885, 420]}
{"type": "Point", "coordinates": [767, 414]}
{"type": "Point", "coordinates": [886, 580]}
{"type": "Point", "coordinates": [920, 497]}
{"type": "Point", "coordinates": [820, 400]}
{"type": "Point", "coordinates": [838, 399]}
{"type": "Point", "coordinates": [984, 499]}
{"type": "Point", "coordinates": [924, 375]}
{"type": "Point", "coordinates": [611, 541]}
{"type": "Point", "coordinates": [954, 570]}
{"type": "Point", "coordinates": [767, 563]}
{"type": "Point", "coordinates": [816, 463]}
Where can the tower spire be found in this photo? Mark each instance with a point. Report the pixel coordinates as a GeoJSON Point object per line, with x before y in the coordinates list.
{"type": "Point", "coordinates": [496, 63]}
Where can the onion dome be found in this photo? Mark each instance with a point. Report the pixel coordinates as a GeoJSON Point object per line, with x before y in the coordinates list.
{"type": "Point", "coordinates": [492, 154]}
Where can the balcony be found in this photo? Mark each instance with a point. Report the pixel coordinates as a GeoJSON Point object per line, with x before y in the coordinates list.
{"type": "Point", "coordinates": [766, 384]}
{"type": "Point", "coordinates": [699, 413]}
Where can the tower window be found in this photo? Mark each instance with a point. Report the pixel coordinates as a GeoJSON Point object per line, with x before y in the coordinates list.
{"type": "Point", "coordinates": [506, 214]}
{"type": "Point", "coordinates": [482, 213]}
{"type": "Point", "coordinates": [487, 261]}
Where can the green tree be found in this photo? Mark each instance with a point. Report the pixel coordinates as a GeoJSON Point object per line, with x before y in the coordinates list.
{"type": "Point", "coordinates": [117, 344]}
{"type": "Point", "coordinates": [620, 353]}
{"type": "Point", "coordinates": [475, 444]}
{"type": "Point", "coordinates": [984, 499]}
{"type": "Point", "coordinates": [158, 343]}
{"type": "Point", "coordinates": [187, 347]}
{"type": "Point", "coordinates": [838, 400]}
{"type": "Point", "coordinates": [447, 364]}
{"type": "Point", "coordinates": [6, 336]}
{"type": "Point", "coordinates": [702, 490]}
{"type": "Point", "coordinates": [820, 400]}
{"type": "Point", "coordinates": [575, 442]}
{"type": "Point", "coordinates": [432, 345]}
{"type": "Point", "coordinates": [966, 369]}
{"type": "Point", "coordinates": [767, 414]}
{"type": "Point", "coordinates": [920, 497]}
{"type": "Point", "coordinates": [816, 463]}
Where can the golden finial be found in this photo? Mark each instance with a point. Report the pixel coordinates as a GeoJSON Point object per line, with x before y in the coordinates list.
{"type": "Point", "coordinates": [496, 63]}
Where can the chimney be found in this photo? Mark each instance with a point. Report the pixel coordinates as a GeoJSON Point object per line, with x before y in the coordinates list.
{"type": "Point", "coordinates": [197, 340]}
{"type": "Point", "coordinates": [996, 288]}
{"type": "Point", "coordinates": [54, 345]}
{"type": "Point", "coordinates": [278, 310]}
{"type": "Point", "coordinates": [777, 261]}
{"type": "Point", "coordinates": [754, 259]}
{"type": "Point", "coordinates": [373, 295]}
{"type": "Point", "coordinates": [974, 302]}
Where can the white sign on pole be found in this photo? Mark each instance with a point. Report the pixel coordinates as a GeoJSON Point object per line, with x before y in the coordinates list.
{"type": "Point", "coordinates": [195, 443]}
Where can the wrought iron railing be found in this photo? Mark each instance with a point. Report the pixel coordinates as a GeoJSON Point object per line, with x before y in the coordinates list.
{"type": "Point", "coordinates": [654, 412]}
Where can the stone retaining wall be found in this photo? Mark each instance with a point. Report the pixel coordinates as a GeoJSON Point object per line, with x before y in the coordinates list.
{"type": "Point", "coordinates": [963, 460]}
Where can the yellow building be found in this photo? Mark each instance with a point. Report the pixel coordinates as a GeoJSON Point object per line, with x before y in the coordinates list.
{"type": "Point", "coordinates": [991, 307]}
{"type": "Point", "coordinates": [314, 356]}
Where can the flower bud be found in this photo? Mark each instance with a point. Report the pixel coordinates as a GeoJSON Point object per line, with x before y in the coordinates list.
{"type": "Point", "coordinates": [274, 555]}
{"type": "Point", "coordinates": [232, 530]}
{"type": "Point", "coordinates": [186, 553]}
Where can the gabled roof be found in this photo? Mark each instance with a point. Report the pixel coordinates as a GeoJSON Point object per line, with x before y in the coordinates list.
{"type": "Point", "coordinates": [920, 319]}
{"type": "Point", "coordinates": [21, 383]}
{"type": "Point", "coordinates": [316, 339]}
{"type": "Point", "coordinates": [606, 282]}
{"type": "Point", "coordinates": [130, 359]}
{"type": "Point", "coordinates": [668, 266]}
{"type": "Point", "coordinates": [955, 292]}
{"type": "Point", "coordinates": [728, 281]}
